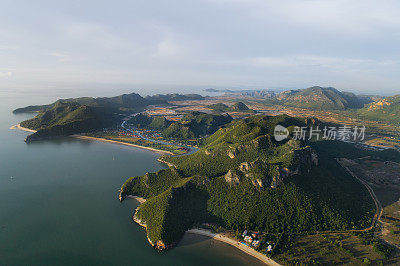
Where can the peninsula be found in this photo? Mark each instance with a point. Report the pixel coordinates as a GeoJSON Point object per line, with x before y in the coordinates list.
{"type": "Point", "coordinates": [227, 174]}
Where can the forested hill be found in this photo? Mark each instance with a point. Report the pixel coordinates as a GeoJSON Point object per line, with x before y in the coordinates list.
{"type": "Point", "coordinates": [236, 107]}
{"type": "Point", "coordinates": [196, 124]}
{"type": "Point", "coordinates": [192, 125]}
{"type": "Point", "coordinates": [243, 179]}
{"type": "Point", "coordinates": [322, 98]}
{"type": "Point", "coordinates": [77, 115]}
{"type": "Point", "coordinates": [387, 109]}
{"type": "Point", "coordinates": [69, 118]}
{"type": "Point", "coordinates": [125, 102]}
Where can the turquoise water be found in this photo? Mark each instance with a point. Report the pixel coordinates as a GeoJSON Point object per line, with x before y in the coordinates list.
{"type": "Point", "coordinates": [59, 206]}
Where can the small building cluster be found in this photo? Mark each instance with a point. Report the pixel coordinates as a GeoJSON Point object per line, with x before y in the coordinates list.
{"type": "Point", "coordinates": [251, 238]}
{"type": "Point", "coordinates": [118, 132]}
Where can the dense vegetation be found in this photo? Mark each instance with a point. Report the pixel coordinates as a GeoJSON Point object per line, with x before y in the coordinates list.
{"type": "Point", "coordinates": [69, 118]}
{"type": "Point", "coordinates": [122, 103]}
{"type": "Point", "coordinates": [242, 178]}
{"type": "Point", "coordinates": [192, 125]}
{"type": "Point", "coordinates": [236, 107]}
{"type": "Point", "coordinates": [387, 109]}
{"type": "Point", "coordinates": [321, 98]}
{"type": "Point", "coordinates": [149, 122]}
{"type": "Point", "coordinates": [195, 124]}
{"type": "Point", "coordinates": [77, 115]}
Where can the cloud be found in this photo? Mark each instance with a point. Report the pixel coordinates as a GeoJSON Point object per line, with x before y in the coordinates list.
{"type": "Point", "coordinates": [307, 60]}
{"type": "Point", "coordinates": [168, 48]}
{"type": "Point", "coordinates": [92, 34]}
{"type": "Point", "coordinates": [341, 17]}
{"type": "Point", "coordinates": [224, 42]}
{"type": "Point", "coordinates": [6, 73]}
{"type": "Point", "coordinates": [8, 47]}
{"type": "Point", "coordinates": [62, 57]}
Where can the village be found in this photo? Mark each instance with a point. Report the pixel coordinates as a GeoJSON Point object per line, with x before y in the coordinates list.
{"type": "Point", "coordinates": [254, 239]}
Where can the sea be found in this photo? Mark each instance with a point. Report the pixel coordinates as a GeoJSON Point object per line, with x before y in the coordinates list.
{"type": "Point", "coordinates": [59, 204]}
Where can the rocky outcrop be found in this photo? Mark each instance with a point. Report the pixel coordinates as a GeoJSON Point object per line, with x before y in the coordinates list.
{"type": "Point", "coordinates": [232, 177]}
{"type": "Point", "coordinates": [277, 181]}
{"type": "Point", "coordinates": [304, 159]}
{"type": "Point", "coordinates": [259, 143]}
{"type": "Point", "coordinates": [141, 223]}
{"type": "Point", "coordinates": [263, 141]}
{"type": "Point", "coordinates": [161, 160]}
{"type": "Point", "coordinates": [121, 196]}
{"type": "Point", "coordinates": [160, 245]}
{"type": "Point", "coordinates": [36, 137]}
{"type": "Point", "coordinates": [262, 173]}
{"type": "Point", "coordinates": [145, 179]}
{"type": "Point", "coordinates": [257, 183]}
{"type": "Point", "coordinates": [245, 166]}
{"type": "Point", "coordinates": [232, 152]}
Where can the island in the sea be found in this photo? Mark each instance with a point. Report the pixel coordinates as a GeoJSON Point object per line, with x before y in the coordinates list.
{"type": "Point", "coordinates": [227, 173]}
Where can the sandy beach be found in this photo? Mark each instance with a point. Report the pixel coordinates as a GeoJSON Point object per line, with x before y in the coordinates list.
{"type": "Point", "coordinates": [98, 139]}
{"type": "Point", "coordinates": [139, 199]}
{"type": "Point", "coordinates": [22, 128]}
{"type": "Point", "coordinates": [218, 237]}
{"type": "Point", "coordinates": [203, 232]}
{"type": "Point", "coordinates": [121, 143]}
{"type": "Point", "coordinates": [234, 243]}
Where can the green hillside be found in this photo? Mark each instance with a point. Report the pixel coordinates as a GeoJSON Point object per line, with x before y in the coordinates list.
{"type": "Point", "coordinates": [322, 98]}
{"type": "Point", "coordinates": [240, 107]}
{"type": "Point", "coordinates": [243, 179]}
{"type": "Point", "coordinates": [69, 118]}
{"type": "Point", "coordinates": [236, 107]}
{"type": "Point", "coordinates": [121, 103]}
{"type": "Point", "coordinates": [77, 115]}
{"type": "Point", "coordinates": [195, 124]}
{"type": "Point", "coordinates": [192, 125]}
{"type": "Point", "coordinates": [149, 122]}
{"type": "Point", "coordinates": [387, 109]}
{"type": "Point", "coordinates": [219, 107]}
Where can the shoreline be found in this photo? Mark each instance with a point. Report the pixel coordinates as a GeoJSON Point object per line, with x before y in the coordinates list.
{"type": "Point", "coordinates": [18, 126]}
{"type": "Point", "coordinates": [234, 243]}
{"type": "Point", "coordinates": [121, 143]}
{"type": "Point", "coordinates": [218, 237]}
{"type": "Point", "coordinates": [139, 199]}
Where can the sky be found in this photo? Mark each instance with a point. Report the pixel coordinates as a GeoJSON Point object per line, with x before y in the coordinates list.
{"type": "Point", "coordinates": [352, 45]}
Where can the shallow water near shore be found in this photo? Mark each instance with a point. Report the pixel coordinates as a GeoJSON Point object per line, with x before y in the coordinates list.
{"type": "Point", "coordinates": [59, 206]}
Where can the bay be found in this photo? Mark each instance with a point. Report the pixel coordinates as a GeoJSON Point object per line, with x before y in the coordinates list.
{"type": "Point", "coordinates": [59, 206]}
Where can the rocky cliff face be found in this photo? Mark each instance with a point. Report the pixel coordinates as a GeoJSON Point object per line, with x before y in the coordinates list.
{"type": "Point", "coordinates": [232, 177]}
{"type": "Point", "coordinates": [265, 174]}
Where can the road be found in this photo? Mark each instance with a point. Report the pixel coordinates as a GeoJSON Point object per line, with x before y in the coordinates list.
{"type": "Point", "coordinates": [377, 216]}
{"type": "Point", "coordinates": [378, 205]}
